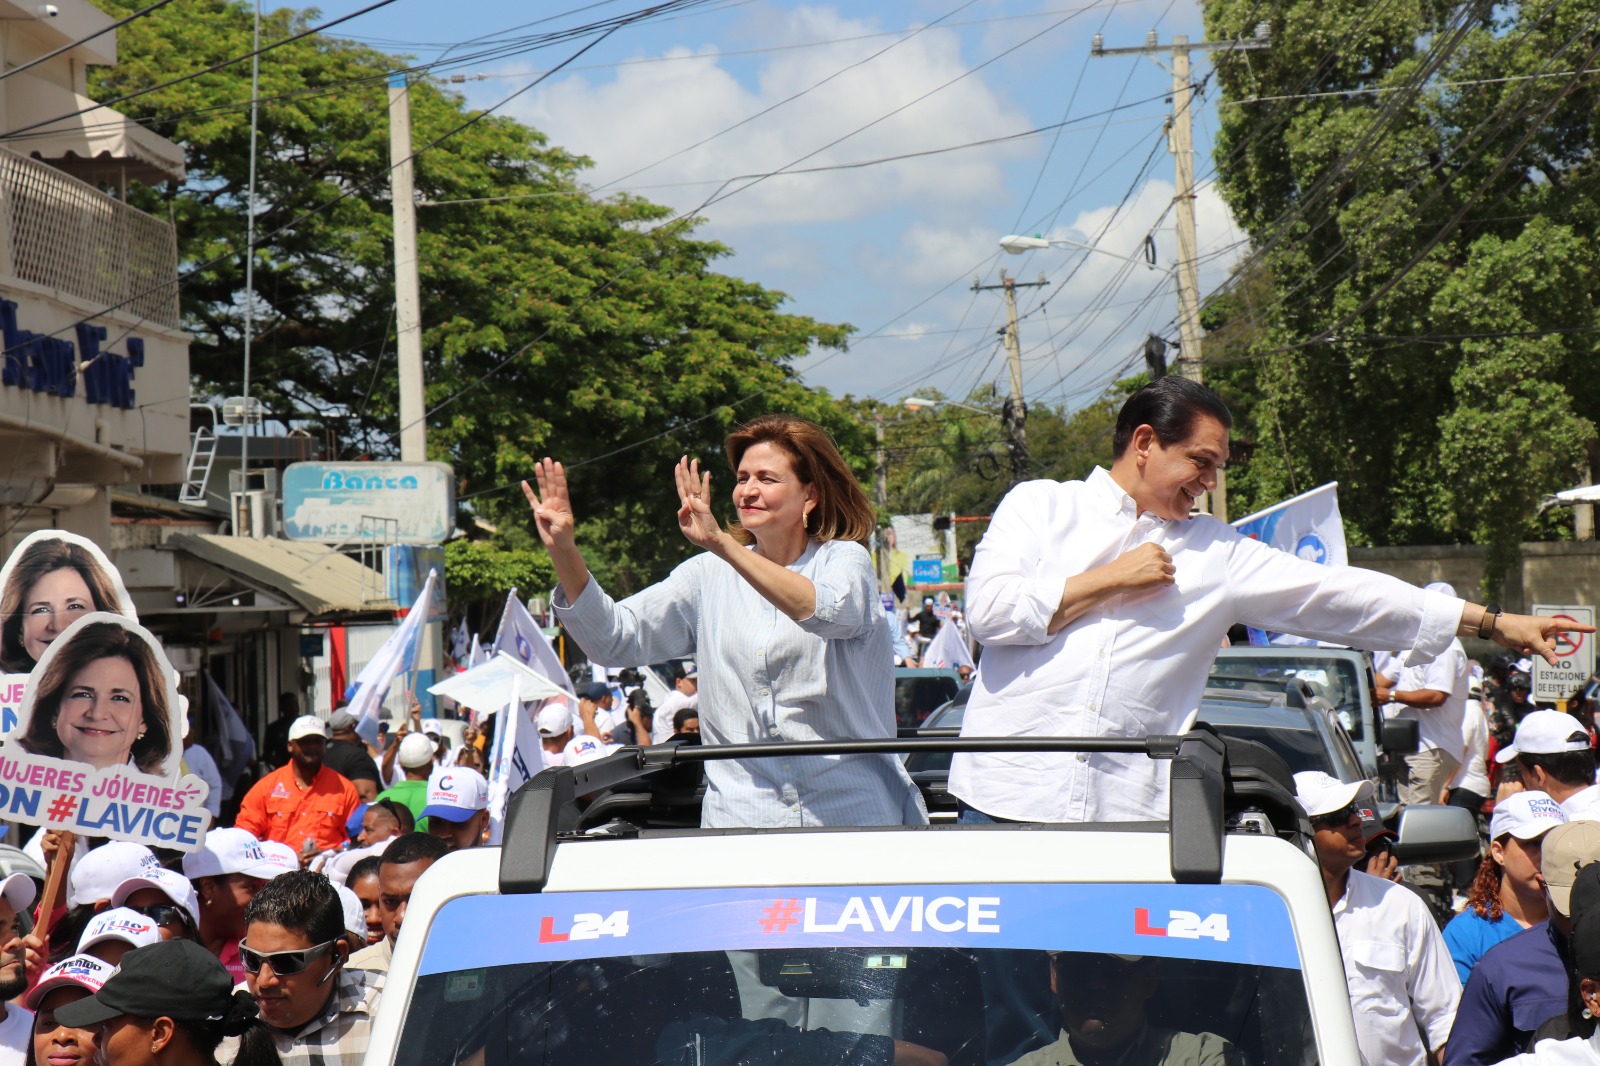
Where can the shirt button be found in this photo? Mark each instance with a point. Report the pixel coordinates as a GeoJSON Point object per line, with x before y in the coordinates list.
{"type": "Point", "coordinates": [1083, 756]}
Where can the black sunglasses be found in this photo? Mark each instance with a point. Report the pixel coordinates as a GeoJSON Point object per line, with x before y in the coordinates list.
{"type": "Point", "coordinates": [1334, 819]}
{"type": "Point", "coordinates": [166, 914]}
{"type": "Point", "coordinates": [283, 963]}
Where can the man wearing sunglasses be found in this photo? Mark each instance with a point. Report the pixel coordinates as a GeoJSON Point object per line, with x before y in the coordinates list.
{"type": "Point", "coordinates": [294, 955]}
{"type": "Point", "coordinates": [1402, 981]}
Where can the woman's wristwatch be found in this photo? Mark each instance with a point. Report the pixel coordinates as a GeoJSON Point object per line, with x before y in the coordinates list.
{"type": "Point", "coordinates": [1491, 614]}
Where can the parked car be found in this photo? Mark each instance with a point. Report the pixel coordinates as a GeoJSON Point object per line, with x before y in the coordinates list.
{"type": "Point", "coordinates": [919, 690]}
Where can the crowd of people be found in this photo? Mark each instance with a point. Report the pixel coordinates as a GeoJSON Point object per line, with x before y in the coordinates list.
{"type": "Point", "coordinates": [1100, 605]}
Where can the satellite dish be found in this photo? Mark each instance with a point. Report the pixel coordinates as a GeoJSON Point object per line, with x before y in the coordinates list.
{"type": "Point", "coordinates": [241, 410]}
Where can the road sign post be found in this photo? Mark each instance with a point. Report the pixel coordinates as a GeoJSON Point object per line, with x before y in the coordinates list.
{"type": "Point", "coordinates": [1575, 656]}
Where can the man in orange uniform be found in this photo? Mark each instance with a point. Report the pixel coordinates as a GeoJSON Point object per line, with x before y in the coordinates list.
{"type": "Point", "coordinates": [303, 804]}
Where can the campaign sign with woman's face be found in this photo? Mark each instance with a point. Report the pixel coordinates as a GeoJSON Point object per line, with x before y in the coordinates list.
{"type": "Point", "coordinates": [99, 742]}
{"type": "Point", "coordinates": [50, 581]}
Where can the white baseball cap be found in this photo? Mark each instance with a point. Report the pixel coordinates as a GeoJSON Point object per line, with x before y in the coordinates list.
{"type": "Point", "coordinates": [281, 857]}
{"type": "Point", "coordinates": [78, 971]}
{"type": "Point", "coordinates": [554, 720]}
{"type": "Point", "coordinates": [415, 750]}
{"type": "Point", "coordinates": [1545, 733]}
{"type": "Point", "coordinates": [431, 725]}
{"type": "Point", "coordinates": [308, 725]}
{"type": "Point", "coordinates": [456, 793]}
{"type": "Point", "coordinates": [169, 883]}
{"type": "Point", "coordinates": [690, 671]}
{"type": "Point", "coordinates": [229, 851]}
{"type": "Point", "coordinates": [355, 913]}
{"type": "Point", "coordinates": [19, 891]}
{"type": "Point", "coordinates": [119, 923]}
{"type": "Point", "coordinates": [1526, 816]}
{"type": "Point", "coordinates": [98, 873]}
{"type": "Point", "coordinates": [584, 748]}
{"type": "Point", "coordinates": [1321, 793]}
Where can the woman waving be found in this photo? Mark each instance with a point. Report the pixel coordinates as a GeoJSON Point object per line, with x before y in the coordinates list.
{"type": "Point", "coordinates": [782, 614]}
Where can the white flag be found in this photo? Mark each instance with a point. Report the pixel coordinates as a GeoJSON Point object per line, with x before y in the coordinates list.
{"type": "Point", "coordinates": [460, 643]}
{"type": "Point", "coordinates": [1307, 525]}
{"type": "Point", "coordinates": [515, 757]}
{"type": "Point", "coordinates": [520, 637]}
{"type": "Point", "coordinates": [364, 698]}
{"type": "Point", "coordinates": [478, 656]}
{"type": "Point", "coordinates": [948, 650]}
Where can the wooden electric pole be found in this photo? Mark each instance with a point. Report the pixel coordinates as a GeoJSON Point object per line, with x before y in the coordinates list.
{"type": "Point", "coordinates": [1014, 415]}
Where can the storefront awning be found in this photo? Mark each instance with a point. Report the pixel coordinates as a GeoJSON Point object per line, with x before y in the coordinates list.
{"type": "Point", "coordinates": [321, 581]}
{"type": "Point", "coordinates": [97, 145]}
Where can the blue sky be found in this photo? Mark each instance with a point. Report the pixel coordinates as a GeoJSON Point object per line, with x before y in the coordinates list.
{"type": "Point", "coordinates": [672, 109]}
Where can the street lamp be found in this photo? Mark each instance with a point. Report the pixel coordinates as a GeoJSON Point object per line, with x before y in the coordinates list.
{"type": "Point", "coordinates": [1017, 244]}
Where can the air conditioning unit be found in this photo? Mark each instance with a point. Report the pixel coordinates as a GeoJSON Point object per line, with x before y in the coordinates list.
{"type": "Point", "coordinates": [257, 479]}
{"type": "Point", "coordinates": [254, 515]}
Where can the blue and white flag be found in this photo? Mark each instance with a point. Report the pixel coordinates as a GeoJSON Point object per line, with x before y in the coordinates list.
{"type": "Point", "coordinates": [520, 637]}
{"type": "Point", "coordinates": [366, 694]}
{"type": "Point", "coordinates": [1309, 526]}
{"type": "Point", "coordinates": [460, 643]}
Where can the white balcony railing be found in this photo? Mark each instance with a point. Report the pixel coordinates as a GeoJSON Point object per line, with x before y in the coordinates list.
{"type": "Point", "coordinates": [66, 234]}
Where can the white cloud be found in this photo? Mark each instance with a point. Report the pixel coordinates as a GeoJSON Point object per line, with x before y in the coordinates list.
{"type": "Point", "coordinates": [649, 111]}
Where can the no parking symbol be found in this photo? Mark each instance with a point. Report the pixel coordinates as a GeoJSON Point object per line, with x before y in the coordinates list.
{"type": "Point", "coordinates": [1574, 652]}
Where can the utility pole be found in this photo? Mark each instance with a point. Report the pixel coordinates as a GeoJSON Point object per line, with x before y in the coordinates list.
{"type": "Point", "coordinates": [1014, 415]}
{"type": "Point", "coordinates": [1180, 142]}
{"type": "Point", "coordinates": [408, 303]}
{"type": "Point", "coordinates": [881, 492]}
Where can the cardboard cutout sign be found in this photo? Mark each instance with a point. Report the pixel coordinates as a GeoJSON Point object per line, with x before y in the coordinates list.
{"type": "Point", "coordinates": [50, 580]}
{"type": "Point", "coordinates": [99, 742]}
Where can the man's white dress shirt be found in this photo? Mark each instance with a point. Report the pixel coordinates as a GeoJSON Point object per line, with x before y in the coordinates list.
{"type": "Point", "coordinates": [1576, 1051]}
{"type": "Point", "coordinates": [1136, 664]}
{"type": "Point", "coordinates": [1583, 805]}
{"type": "Point", "coordinates": [1398, 969]}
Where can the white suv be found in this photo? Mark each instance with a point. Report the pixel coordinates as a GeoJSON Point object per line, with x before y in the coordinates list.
{"type": "Point", "coordinates": [1207, 937]}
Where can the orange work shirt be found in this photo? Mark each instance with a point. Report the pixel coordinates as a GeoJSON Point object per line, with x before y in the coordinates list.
{"type": "Point", "coordinates": [277, 808]}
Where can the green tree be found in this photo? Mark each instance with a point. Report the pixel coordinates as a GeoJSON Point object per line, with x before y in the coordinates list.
{"type": "Point", "coordinates": [596, 331]}
{"type": "Point", "coordinates": [1417, 318]}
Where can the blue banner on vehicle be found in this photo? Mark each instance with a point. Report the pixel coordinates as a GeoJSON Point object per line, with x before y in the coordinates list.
{"type": "Point", "coordinates": [1244, 924]}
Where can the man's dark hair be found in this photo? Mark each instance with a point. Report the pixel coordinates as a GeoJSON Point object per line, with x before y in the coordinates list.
{"type": "Point", "coordinates": [1567, 767]}
{"type": "Point", "coordinates": [302, 901]}
{"type": "Point", "coordinates": [1170, 406]}
{"type": "Point", "coordinates": [367, 867]}
{"type": "Point", "coordinates": [414, 847]}
{"type": "Point", "coordinates": [681, 719]}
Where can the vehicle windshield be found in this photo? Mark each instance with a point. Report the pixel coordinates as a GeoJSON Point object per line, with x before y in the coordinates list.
{"type": "Point", "coordinates": [1336, 680]}
{"type": "Point", "coordinates": [980, 974]}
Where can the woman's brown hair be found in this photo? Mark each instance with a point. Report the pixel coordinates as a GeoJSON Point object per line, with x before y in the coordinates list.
{"type": "Point", "coordinates": [842, 511]}
{"type": "Point", "coordinates": [42, 557]}
{"type": "Point", "coordinates": [1484, 896]}
{"type": "Point", "coordinates": [104, 640]}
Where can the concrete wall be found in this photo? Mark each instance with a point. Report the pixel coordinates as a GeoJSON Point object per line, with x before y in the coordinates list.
{"type": "Point", "coordinates": [1564, 572]}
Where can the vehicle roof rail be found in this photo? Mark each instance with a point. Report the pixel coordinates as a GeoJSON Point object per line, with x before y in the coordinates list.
{"type": "Point", "coordinates": [541, 811]}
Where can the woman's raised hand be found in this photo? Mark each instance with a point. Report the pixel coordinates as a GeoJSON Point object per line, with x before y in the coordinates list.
{"type": "Point", "coordinates": [552, 507]}
{"type": "Point", "coordinates": [694, 493]}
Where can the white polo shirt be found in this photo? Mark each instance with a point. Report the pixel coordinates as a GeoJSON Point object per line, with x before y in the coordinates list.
{"type": "Point", "coordinates": [1398, 970]}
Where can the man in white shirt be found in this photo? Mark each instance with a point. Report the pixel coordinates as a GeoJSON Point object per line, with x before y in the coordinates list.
{"type": "Point", "coordinates": [685, 693]}
{"type": "Point", "coordinates": [1434, 695]}
{"type": "Point", "coordinates": [1101, 605]}
{"type": "Point", "coordinates": [1401, 980]}
{"type": "Point", "coordinates": [1555, 756]}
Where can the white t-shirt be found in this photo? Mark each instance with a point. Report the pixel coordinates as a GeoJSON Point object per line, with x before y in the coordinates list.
{"type": "Point", "coordinates": [1473, 773]}
{"type": "Point", "coordinates": [661, 724]}
{"type": "Point", "coordinates": [15, 1032]}
{"type": "Point", "coordinates": [1440, 727]}
{"type": "Point", "coordinates": [203, 766]}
